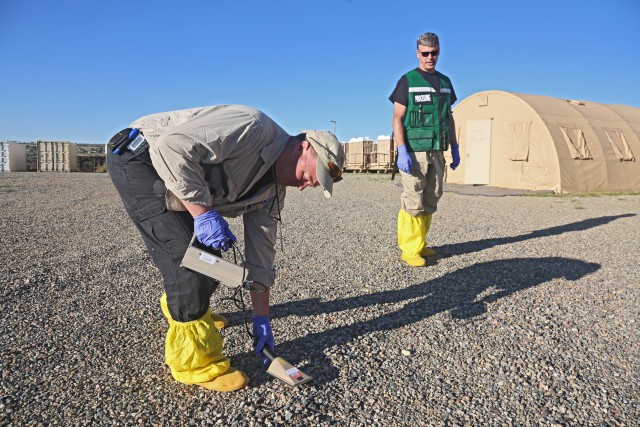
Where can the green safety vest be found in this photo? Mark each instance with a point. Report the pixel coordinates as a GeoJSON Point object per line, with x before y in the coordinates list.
{"type": "Point", "coordinates": [426, 122]}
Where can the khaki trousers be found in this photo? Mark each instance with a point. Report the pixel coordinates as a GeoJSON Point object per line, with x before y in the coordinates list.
{"type": "Point", "coordinates": [422, 188]}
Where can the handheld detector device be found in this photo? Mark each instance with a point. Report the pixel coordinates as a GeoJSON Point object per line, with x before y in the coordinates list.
{"type": "Point", "coordinates": [285, 371]}
{"type": "Point", "coordinates": [201, 260]}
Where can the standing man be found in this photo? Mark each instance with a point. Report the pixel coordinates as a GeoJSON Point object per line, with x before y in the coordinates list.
{"type": "Point", "coordinates": [423, 130]}
{"type": "Point", "coordinates": [194, 168]}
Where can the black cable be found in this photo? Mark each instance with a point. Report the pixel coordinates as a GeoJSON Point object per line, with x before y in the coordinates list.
{"type": "Point", "coordinates": [277, 219]}
{"type": "Point", "coordinates": [238, 298]}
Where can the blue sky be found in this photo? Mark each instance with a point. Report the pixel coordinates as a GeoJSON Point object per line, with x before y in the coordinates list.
{"type": "Point", "coordinates": [80, 71]}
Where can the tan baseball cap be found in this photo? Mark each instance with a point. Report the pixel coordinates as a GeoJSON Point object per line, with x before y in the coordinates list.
{"type": "Point", "coordinates": [330, 158]}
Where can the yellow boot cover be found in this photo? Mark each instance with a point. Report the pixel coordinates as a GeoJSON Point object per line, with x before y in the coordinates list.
{"type": "Point", "coordinates": [411, 232]}
{"type": "Point", "coordinates": [193, 350]}
{"type": "Point", "coordinates": [427, 252]}
{"type": "Point", "coordinates": [232, 380]}
{"type": "Point", "coordinates": [219, 321]}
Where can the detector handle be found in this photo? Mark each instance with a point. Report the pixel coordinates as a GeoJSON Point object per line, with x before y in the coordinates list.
{"type": "Point", "coordinates": [268, 353]}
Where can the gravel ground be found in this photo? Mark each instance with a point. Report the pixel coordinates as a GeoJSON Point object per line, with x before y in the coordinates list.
{"type": "Point", "coordinates": [527, 316]}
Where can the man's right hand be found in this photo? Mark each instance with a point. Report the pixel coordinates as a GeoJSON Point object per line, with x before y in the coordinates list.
{"type": "Point", "coordinates": [212, 230]}
{"type": "Point", "coordinates": [404, 161]}
{"type": "Point", "coordinates": [263, 336]}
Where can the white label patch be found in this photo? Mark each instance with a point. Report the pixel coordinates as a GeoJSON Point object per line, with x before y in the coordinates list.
{"type": "Point", "coordinates": [423, 98]}
{"type": "Point", "coordinates": [292, 371]}
{"type": "Point", "coordinates": [207, 258]}
{"type": "Point", "coordinates": [421, 89]}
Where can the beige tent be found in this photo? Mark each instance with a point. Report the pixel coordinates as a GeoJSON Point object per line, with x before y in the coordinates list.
{"type": "Point", "coordinates": [533, 142]}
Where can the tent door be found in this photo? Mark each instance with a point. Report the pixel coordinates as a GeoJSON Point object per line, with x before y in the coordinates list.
{"type": "Point", "coordinates": [478, 149]}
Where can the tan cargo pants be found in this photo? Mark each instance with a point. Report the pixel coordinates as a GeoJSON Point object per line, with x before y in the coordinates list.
{"type": "Point", "coordinates": [422, 188]}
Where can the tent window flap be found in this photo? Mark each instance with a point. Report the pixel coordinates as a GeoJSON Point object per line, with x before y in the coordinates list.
{"type": "Point", "coordinates": [619, 144]}
{"type": "Point", "coordinates": [576, 142]}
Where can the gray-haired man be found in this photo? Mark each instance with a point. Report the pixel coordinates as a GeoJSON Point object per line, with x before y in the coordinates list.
{"type": "Point", "coordinates": [423, 129]}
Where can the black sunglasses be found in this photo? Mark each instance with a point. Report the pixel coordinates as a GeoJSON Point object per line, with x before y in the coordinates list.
{"type": "Point", "coordinates": [432, 53]}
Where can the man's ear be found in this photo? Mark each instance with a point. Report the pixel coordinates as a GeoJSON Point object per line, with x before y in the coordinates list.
{"type": "Point", "coordinates": [303, 146]}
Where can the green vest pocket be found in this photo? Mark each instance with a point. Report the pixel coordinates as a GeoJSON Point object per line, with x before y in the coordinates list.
{"type": "Point", "coordinates": [420, 139]}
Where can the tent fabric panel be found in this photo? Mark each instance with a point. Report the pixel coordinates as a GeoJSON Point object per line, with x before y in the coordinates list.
{"type": "Point", "coordinates": [586, 176]}
{"type": "Point", "coordinates": [580, 152]}
{"type": "Point", "coordinates": [621, 175]}
{"type": "Point", "coordinates": [631, 117]}
{"type": "Point", "coordinates": [520, 141]}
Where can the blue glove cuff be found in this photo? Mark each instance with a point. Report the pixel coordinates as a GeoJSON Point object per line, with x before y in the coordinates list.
{"type": "Point", "coordinates": [402, 149]}
{"type": "Point", "coordinates": [210, 214]}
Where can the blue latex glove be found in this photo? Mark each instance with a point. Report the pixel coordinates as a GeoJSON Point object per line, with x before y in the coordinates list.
{"type": "Point", "coordinates": [456, 156]}
{"type": "Point", "coordinates": [213, 230]}
{"type": "Point", "coordinates": [404, 161]}
{"type": "Point", "coordinates": [264, 336]}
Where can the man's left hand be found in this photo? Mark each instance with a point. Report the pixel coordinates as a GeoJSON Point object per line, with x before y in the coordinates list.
{"type": "Point", "coordinates": [456, 156]}
{"type": "Point", "coordinates": [212, 230]}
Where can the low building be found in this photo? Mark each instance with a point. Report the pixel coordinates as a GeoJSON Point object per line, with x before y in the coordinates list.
{"type": "Point", "coordinates": [13, 156]}
{"type": "Point", "coordinates": [358, 154]}
{"type": "Point", "coordinates": [57, 156]}
{"type": "Point", "coordinates": [382, 156]}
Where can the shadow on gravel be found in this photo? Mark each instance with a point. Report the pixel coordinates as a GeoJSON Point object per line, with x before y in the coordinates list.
{"type": "Point", "coordinates": [469, 247]}
{"type": "Point", "coordinates": [465, 293]}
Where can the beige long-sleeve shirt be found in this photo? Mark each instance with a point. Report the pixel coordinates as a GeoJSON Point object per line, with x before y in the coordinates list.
{"type": "Point", "coordinates": [214, 156]}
